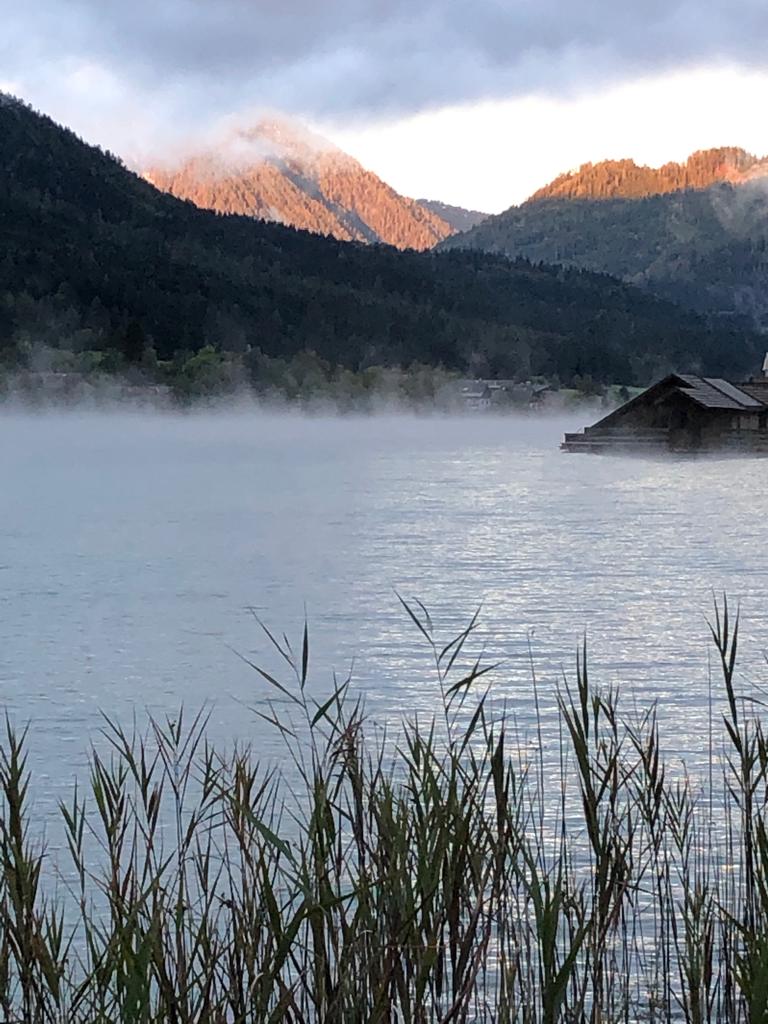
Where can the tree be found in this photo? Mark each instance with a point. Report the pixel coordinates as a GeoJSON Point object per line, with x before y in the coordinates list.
{"type": "Point", "coordinates": [133, 343]}
{"type": "Point", "coordinates": [206, 373]}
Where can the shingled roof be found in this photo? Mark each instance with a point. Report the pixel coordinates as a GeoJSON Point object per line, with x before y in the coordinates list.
{"type": "Point", "coordinates": [715, 393]}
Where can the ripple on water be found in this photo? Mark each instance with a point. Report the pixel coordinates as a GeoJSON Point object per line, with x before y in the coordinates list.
{"type": "Point", "coordinates": [134, 546]}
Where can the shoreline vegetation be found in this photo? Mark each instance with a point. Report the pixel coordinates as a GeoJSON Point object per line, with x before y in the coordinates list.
{"type": "Point", "coordinates": [306, 381]}
{"type": "Point", "coordinates": [455, 871]}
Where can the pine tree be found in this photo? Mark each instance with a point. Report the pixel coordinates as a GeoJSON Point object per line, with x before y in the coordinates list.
{"type": "Point", "coordinates": [133, 343]}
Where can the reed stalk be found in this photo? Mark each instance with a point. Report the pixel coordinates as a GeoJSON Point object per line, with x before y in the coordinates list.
{"type": "Point", "coordinates": [435, 875]}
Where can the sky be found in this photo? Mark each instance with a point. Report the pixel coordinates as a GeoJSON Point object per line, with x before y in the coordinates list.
{"type": "Point", "coordinates": [473, 102]}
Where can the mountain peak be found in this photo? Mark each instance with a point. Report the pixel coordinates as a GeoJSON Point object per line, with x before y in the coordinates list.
{"type": "Point", "coordinates": [279, 170]}
{"type": "Point", "coordinates": [286, 138]}
{"type": "Point", "coordinates": [611, 179]}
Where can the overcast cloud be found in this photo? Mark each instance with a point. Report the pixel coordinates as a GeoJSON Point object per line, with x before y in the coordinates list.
{"type": "Point", "coordinates": [340, 59]}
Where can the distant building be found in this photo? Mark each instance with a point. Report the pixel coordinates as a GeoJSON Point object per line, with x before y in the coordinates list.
{"type": "Point", "coordinates": [475, 394]}
{"type": "Point", "coordinates": [499, 394]}
{"type": "Point", "coordinates": [686, 414]}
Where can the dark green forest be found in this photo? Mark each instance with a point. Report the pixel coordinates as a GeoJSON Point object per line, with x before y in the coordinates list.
{"type": "Point", "coordinates": [96, 260]}
{"type": "Point", "coordinates": [704, 249]}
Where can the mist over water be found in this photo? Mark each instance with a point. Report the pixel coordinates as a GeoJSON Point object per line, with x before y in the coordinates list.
{"type": "Point", "coordinates": [134, 545]}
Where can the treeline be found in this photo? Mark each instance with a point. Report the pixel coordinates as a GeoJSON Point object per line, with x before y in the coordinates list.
{"type": "Point", "coordinates": [97, 260]}
{"type": "Point", "coordinates": [611, 179]}
{"type": "Point", "coordinates": [58, 376]}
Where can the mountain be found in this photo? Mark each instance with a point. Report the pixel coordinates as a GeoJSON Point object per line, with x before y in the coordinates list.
{"type": "Point", "coordinates": [612, 179]}
{"type": "Point", "coordinates": [97, 260]}
{"type": "Point", "coordinates": [704, 248]}
{"type": "Point", "coordinates": [278, 171]}
{"type": "Point", "coordinates": [456, 217]}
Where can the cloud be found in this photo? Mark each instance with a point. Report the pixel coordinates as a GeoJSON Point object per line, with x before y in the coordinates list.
{"type": "Point", "coordinates": [175, 61]}
{"type": "Point", "coordinates": [489, 155]}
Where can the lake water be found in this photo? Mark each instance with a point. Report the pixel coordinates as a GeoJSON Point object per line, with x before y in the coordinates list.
{"type": "Point", "coordinates": [132, 547]}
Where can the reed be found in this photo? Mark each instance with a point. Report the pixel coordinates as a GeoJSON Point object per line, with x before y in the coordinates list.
{"type": "Point", "coordinates": [436, 875]}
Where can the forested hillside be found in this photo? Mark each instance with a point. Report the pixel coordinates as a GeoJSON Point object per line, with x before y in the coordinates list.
{"type": "Point", "coordinates": [96, 259]}
{"type": "Point", "coordinates": [702, 248]}
{"type": "Point", "coordinates": [280, 172]}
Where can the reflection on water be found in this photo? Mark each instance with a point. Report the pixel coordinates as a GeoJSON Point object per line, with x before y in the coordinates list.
{"type": "Point", "coordinates": [133, 546]}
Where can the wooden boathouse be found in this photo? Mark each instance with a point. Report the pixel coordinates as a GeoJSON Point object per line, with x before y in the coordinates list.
{"type": "Point", "coordinates": [683, 413]}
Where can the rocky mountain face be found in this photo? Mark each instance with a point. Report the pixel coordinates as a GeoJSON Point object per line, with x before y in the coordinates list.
{"type": "Point", "coordinates": [279, 172]}
{"type": "Point", "coordinates": [612, 179]}
{"type": "Point", "coordinates": [456, 216]}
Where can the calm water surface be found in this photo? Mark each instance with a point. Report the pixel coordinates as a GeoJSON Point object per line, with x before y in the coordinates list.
{"type": "Point", "coordinates": [132, 547]}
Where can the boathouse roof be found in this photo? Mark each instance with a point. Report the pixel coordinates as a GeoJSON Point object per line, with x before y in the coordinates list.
{"type": "Point", "coordinates": [716, 393]}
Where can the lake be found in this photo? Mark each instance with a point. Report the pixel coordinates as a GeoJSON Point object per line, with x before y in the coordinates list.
{"type": "Point", "coordinates": [136, 548]}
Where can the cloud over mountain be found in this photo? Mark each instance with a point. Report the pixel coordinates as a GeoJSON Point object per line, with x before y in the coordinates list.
{"type": "Point", "coordinates": [277, 171]}
{"type": "Point", "coordinates": [344, 58]}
